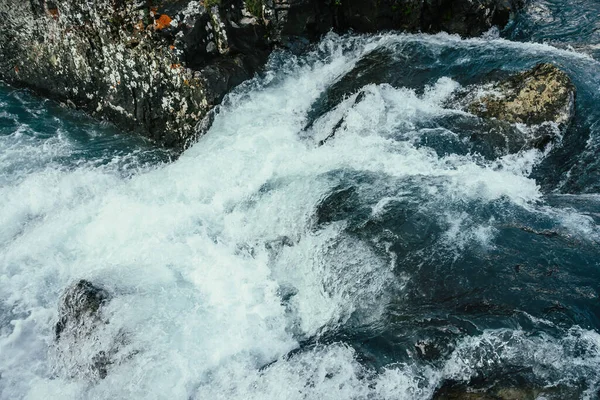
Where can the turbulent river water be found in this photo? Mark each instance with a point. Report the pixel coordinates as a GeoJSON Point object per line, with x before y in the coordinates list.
{"type": "Point", "coordinates": [387, 263]}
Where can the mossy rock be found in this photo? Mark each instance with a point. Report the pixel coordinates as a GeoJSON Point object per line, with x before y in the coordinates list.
{"type": "Point", "coordinates": [543, 94]}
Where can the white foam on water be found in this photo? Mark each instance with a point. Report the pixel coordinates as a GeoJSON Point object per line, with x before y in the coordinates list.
{"type": "Point", "coordinates": [198, 254]}
{"type": "Point", "coordinates": [556, 360]}
{"type": "Point", "coordinates": [464, 232]}
{"type": "Point", "coordinates": [332, 372]}
{"type": "Point", "coordinates": [443, 40]}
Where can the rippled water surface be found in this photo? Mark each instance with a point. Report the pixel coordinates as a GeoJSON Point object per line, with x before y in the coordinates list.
{"type": "Point", "coordinates": [396, 260]}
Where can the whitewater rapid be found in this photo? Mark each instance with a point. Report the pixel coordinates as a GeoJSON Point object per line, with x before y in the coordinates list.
{"type": "Point", "coordinates": [218, 269]}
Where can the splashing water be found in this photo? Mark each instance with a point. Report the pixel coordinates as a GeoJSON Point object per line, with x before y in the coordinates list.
{"type": "Point", "coordinates": [260, 265]}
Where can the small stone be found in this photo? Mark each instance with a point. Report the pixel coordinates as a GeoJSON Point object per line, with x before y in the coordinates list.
{"type": "Point", "coordinates": [79, 305]}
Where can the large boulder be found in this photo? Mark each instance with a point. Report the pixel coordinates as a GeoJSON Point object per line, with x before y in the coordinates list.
{"type": "Point", "coordinates": [541, 100]}
{"type": "Point", "coordinates": [529, 109]}
{"type": "Point", "coordinates": [156, 67]}
{"type": "Point", "coordinates": [542, 94]}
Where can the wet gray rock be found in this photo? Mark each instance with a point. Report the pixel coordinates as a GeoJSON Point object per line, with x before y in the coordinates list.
{"type": "Point", "coordinates": [85, 346]}
{"type": "Point", "coordinates": [80, 308]}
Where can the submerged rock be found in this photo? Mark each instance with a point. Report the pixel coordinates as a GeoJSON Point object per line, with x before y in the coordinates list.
{"type": "Point", "coordinates": [498, 391]}
{"type": "Point", "coordinates": [79, 308]}
{"type": "Point", "coordinates": [310, 18]}
{"type": "Point", "coordinates": [84, 343]}
{"type": "Point", "coordinates": [530, 109]}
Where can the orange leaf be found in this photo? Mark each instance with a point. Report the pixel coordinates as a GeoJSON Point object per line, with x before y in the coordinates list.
{"type": "Point", "coordinates": [163, 22]}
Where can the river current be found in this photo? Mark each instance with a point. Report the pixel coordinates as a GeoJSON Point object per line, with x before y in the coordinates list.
{"type": "Point", "coordinates": [389, 262]}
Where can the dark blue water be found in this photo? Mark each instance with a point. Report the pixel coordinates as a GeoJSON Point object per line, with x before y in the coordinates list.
{"type": "Point", "coordinates": [399, 259]}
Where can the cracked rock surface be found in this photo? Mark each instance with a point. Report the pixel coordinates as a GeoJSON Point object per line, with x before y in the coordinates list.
{"type": "Point", "coordinates": [152, 67]}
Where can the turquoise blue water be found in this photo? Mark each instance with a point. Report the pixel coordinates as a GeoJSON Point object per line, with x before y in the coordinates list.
{"type": "Point", "coordinates": [38, 133]}
{"type": "Point", "coordinates": [392, 261]}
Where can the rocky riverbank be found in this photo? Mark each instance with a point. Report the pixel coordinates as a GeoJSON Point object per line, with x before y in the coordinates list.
{"type": "Point", "coordinates": [158, 66]}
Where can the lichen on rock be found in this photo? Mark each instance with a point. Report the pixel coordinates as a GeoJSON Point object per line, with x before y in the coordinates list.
{"type": "Point", "coordinates": [529, 109]}
{"type": "Point", "coordinates": [123, 61]}
{"type": "Point", "coordinates": [541, 94]}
